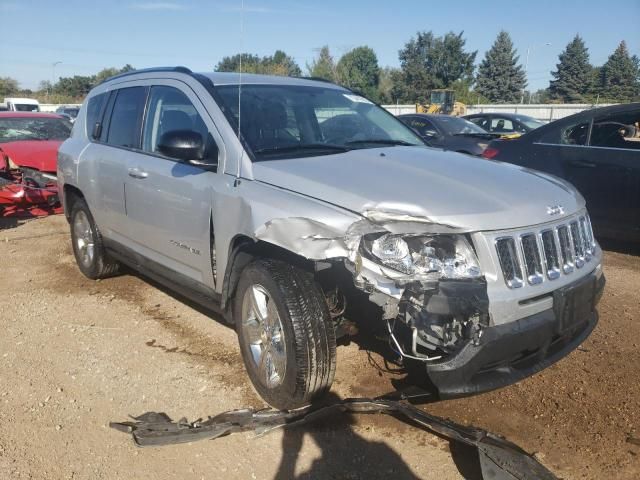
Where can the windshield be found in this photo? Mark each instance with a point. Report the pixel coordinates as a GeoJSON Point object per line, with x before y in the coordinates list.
{"type": "Point", "coordinates": [285, 121]}
{"type": "Point", "coordinates": [16, 129]}
{"type": "Point", "coordinates": [458, 126]}
{"type": "Point", "coordinates": [530, 122]}
{"type": "Point", "coordinates": [72, 112]}
{"type": "Point", "coordinates": [26, 107]}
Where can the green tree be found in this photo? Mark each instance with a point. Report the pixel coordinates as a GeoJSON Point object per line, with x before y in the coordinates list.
{"type": "Point", "coordinates": [8, 86]}
{"type": "Point", "coordinates": [277, 64]}
{"type": "Point", "coordinates": [620, 75]}
{"type": "Point", "coordinates": [429, 62]}
{"type": "Point", "coordinates": [110, 72]}
{"type": "Point", "coordinates": [282, 64]}
{"type": "Point", "coordinates": [76, 87]}
{"type": "Point", "coordinates": [573, 77]}
{"type": "Point", "coordinates": [500, 78]}
{"type": "Point", "coordinates": [385, 84]}
{"type": "Point", "coordinates": [324, 66]}
{"type": "Point", "coordinates": [359, 70]}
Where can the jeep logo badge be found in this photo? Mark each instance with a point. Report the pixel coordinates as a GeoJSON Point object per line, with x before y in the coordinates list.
{"type": "Point", "coordinates": [555, 210]}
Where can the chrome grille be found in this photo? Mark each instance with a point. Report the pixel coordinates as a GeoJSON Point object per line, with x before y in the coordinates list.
{"type": "Point", "coordinates": [551, 257]}
{"type": "Point", "coordinates": [578, 244]}
{"type": "Point", "coordinates": [508, 256]}
{"type": "Point", "coordinates": [566, 250]}
{"type": "Point", "coordinates": [531, 257]}
{"type": "Point", "coordinates": [550, 252]}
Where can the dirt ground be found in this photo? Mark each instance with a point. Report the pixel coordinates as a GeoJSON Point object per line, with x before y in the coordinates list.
{"type": "Point", "coordinates": [76, 354]}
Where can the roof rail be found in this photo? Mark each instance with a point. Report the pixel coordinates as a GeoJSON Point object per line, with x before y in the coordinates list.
{"type": "Point", "coordinates": [149, 70]}
{"type": "Point", "coordinates": [319, 79]}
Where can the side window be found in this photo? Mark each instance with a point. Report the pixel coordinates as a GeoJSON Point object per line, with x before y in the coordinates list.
{"type": "Point", "coordinates": [481, 122]}
{"type": "Point", "coordinates": [571, 134]}
{"type": "Point", "coordinates": [501, 125]}
{"type": "Point", "coordinates": [170, 110]}
{"type": "Point", "coordinates": [617, 131]}
{"type": "Point", "coordinates": [94, 109]}
{"type": "Point", "coordinates": [126, 117]}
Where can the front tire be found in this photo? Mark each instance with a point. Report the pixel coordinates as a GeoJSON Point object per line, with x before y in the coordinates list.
{"type": "Point", "coordinates": [91, 256]}
{"type": "Point", "coordinates": [286, 336]}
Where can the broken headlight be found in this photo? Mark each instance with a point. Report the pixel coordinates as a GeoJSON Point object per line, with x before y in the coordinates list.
{"type": "Point", "coordinates": [438, 256]}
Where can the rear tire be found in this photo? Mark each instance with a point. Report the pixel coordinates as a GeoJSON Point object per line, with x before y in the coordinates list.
{"type": "Point", "coordinates": [286, 336]}
{"type": "Point", "coordinates": [92, 259]}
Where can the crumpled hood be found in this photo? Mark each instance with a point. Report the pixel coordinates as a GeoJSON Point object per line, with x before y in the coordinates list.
{"type": "Point", "coordinates": [425, 185]}
{"type": "Point", "coordinates": [39, 154]}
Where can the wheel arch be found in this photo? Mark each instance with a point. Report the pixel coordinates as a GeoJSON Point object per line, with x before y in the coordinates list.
{"type": "Point", "coordinates": [243, 250]}
{"type": "Point", "coordinates": [70, 194]}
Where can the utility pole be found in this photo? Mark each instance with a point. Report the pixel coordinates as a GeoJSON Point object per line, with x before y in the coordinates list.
{"type": "Point", "coordinates": [526, 69]}
{"type": "Point", "coordinates": [53, 77]}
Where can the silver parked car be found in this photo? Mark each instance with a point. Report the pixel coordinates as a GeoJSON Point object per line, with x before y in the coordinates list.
{"type": "Point", "coordinates": [286, 202]}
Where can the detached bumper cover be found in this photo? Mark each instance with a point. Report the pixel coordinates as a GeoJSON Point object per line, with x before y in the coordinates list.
{"type": "Point", "coordinates": [510, 352]}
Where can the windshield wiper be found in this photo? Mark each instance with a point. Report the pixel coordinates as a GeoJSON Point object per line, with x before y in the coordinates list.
{"type": "Point", "coordinates": [301, 148]}
{"type": "Point", "coordinates": [382, 141]}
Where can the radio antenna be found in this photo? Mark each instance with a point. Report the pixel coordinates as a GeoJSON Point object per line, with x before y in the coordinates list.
{"type": "Point", "coordinates": [240, 65]}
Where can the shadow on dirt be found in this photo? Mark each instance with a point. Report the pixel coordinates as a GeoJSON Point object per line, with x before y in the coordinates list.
{"type": "Point", "coordinates": [7, 223]}
{"type": "Point", "coordinates": [346, 454]}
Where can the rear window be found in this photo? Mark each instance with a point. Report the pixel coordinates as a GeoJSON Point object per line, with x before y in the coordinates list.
{"type": "Point", "coordinates": [126, 117]}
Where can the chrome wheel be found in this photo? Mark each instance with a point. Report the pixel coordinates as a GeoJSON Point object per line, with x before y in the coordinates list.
{"type": "Point", "coordinates": [264, 336]}
{"type": "Point", "coordinates": [83, 234]}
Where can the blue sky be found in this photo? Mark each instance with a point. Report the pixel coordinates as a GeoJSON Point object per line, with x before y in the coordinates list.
{"type": "Point", "coordinates": [88, 35]}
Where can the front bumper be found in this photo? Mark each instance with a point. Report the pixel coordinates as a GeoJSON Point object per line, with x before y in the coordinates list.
{"type": "Point", "coordinates": [510, 352]}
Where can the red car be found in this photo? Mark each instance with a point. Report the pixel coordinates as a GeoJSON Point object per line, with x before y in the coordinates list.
{"type": "Point", "coordinates": [29, 145]}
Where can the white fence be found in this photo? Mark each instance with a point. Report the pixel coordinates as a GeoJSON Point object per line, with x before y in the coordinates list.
{"type": "Point", "coordinates": [400, 109]}
{"type": "Point", "coordinates": [546, 112]}
{"type": "Point", "coordinates": [51, 107]}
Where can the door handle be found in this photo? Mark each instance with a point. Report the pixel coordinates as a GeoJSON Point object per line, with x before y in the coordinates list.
{"type": "Point", "coordinates": [137, 173]}
{"type": "Point", "coordinates": [581, 164]}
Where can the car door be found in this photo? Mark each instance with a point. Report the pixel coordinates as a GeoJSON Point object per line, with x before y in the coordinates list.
{"type": "Point", "coordinates": [113, 124]}
{"type": "Point", "coordinates": [169, 202]}
{"type": "Point", "coordinates": [607, 173]}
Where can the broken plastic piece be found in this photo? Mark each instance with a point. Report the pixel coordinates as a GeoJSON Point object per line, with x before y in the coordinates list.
{"type": "Point", "coordinates": [499, 458]}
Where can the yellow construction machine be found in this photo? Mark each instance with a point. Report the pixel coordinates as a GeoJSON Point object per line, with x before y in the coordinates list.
{"type": "Point", "coordinates": [443, 101]}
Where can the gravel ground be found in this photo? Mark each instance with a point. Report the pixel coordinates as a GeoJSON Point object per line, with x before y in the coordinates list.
{"type": "Point", "coordinates": [76, 354]}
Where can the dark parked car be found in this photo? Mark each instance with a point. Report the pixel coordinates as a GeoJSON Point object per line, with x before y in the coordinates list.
{"type": "Point", "coordinates": [598, 151]}
{"type": "Point", "coordinates": [69, 112]}
{"type": "Point", "coordinates": [505, 123]}
{"type": "Point", "coordinates": [449, 133]}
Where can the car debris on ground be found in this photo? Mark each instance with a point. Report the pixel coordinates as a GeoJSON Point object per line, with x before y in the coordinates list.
{"type": "Point", "coordinates": [499, 459]}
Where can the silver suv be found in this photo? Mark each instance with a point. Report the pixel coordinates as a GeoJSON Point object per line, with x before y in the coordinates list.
{"type": "Point", "coordinates": [291, 205]}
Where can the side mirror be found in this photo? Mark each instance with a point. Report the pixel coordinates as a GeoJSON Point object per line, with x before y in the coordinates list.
{"type": "Point", "coordinates": [183, 145]}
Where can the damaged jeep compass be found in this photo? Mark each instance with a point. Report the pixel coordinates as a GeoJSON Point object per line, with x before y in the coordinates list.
{"type": "Point", "coordinates": [284, 202]}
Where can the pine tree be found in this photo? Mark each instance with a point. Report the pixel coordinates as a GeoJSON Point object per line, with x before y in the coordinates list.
{"type": "Point", "coordinates": [500, 78]}
{"type": "Point", "coordinates": [573, 77]}
{"type": "Point", "coordinates": [324, 66]}
{"type": "Point", "coordinates": [620, 76]}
